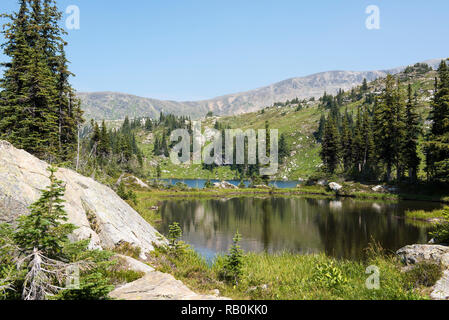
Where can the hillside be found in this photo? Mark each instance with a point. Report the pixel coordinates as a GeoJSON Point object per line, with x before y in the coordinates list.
{"type": "Point", "coordinates": [298, 122]}
{"type": "Point", "coordinates": [113, 106]}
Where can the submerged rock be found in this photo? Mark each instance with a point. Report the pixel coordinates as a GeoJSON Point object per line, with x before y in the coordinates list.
{"type": "Point", "coordinates": [100, 215]}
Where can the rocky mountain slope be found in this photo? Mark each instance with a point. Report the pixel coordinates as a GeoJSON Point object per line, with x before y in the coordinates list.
{"type": "Point", "coordinates": [95, 209]}
{"type": "Point", "coordinates": [113, 106]}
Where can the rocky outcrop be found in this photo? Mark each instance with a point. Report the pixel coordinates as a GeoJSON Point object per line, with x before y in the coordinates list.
{"type": "Point", "coordinates": [413, 254]}
{"type": "Point", "coordinates": [417, 253]}
{"type": "Point", "coordinates": [95, 209]}
{"type": "Point", "coordinates": [129, 263]}
{"type": "Point", "coordinates": [158, 286]}
{"type": "Point", "coordinates": [225, 185]}
{"type": "Point", "coordinates": [335, 186]}
{"type": "Point", "coordinates": [132, 180]}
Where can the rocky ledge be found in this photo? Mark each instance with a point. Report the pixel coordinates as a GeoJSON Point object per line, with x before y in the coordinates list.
{"type": "Point", "coordinates": [100, 216]}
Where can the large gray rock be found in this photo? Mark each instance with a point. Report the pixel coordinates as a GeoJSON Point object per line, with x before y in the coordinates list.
{"type": "Point", "coordinates": [224, 185]}
{"type": "Point", "coordinates": [95, 209]}
{"type": "Point", "coordinates": [335, 186]}
{"type": "Point", "coordinates": [430, 253]}
{"type": "Point", "coordinates": [424, 253]}
{"type": "Point", "coordinates": [158, 286]}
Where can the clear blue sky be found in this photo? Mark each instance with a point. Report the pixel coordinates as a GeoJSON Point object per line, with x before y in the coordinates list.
{"type": "Point", "coordinates": [196, 49]}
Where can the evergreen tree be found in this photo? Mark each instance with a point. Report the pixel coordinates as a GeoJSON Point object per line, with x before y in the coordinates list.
{"type": "Point", "coordinates": [38, 109]}
{"type": "Point", "coordinates": [358, 148]}
{"type": "Point", "coordinates": [284, 150]}
{"type": "Point", "coordinates": [413, 131]}
{"type": "Point", "coordinates": [43, 229]}
{"type": "Point", "coordinates": [320, 132]}
{"type": "Point", "coordinates": [385, 120]}
{"type": "Point", "coordinates": [346, 143]}
{"type": "Point", "coordinates": [437, 146]}
{"type": "Point", "coordinates": [368, 141]}
{"type": "Point", "coordinates": [330, 146]}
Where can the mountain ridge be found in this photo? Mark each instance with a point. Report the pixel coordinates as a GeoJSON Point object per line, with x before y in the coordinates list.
{"type": "Point", "coordinates": [116, 105]}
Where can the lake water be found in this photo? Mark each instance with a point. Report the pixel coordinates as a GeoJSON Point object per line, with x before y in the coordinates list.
{"type": "Point", "coordinates": [342, 228]}
{"type": "Point", "coordinates": [200, 183]}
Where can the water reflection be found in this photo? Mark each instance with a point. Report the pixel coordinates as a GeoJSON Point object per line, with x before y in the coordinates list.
{"type": "Point", "coordinates": [341, 228]}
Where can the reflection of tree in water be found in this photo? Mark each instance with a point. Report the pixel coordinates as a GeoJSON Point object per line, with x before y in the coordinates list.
{"type": "Point", "coordinates": [349, 232]}
{"type": "Point", "coordinates": [267, 211]}
{"type": "Point", "coordinates": [340, 228]}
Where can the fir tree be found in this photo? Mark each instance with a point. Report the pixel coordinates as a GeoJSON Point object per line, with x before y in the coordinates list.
{"type": "Point", "coordinates": [413, 131]}
{"type": "Point", "coordinates": [346, 143]}
{"type": "Point", "coordinates": [38, 109]}
{"type": "Point", "coordinates": [330, 146]}
{"type": "Point", "coordinates": [437, 146]}
{"type": "Point", "coordinates": [384, 131]}
{"type": "Point", "coordinates": [44, 229]}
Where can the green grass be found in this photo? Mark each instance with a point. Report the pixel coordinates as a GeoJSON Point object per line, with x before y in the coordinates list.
{"type": "Point", "coordinates": [427, 215]}
{"type": "Point", "coordinates": [294, 277]}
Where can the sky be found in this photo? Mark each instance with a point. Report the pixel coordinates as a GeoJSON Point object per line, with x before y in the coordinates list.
{"type": "Point", "coordinates": [199, 49]}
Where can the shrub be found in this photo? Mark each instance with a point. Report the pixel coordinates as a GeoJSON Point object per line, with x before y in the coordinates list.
{"type": "Point", "coordinates": [127, 249]}
{"type": "Point", "coordinates": [126, 195]}
{"type": "Point", "coordinates": [208, 184]}
{"type": "Point", "coordinates": [328, 275]}
{"type": "Point", "coordinates": [424, 274]}
{"type": "Point", "coordinates": [233, 265]}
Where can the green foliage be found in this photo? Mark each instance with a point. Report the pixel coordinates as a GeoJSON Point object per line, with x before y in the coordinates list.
{"type": "Point", "coordinates": [330, 145]}
{"type": "Point", "coordinates": [441, 233]}
{"type": "Point", "coordinates": [208, 184]}
{"type": "Point", "coordinates": [175, 245]}
{"type": "Point", "coordinates": [437, 144]}
{"type": "Point", "coordinates": [8, 270]}
{"type": "Point", "coordinates": [126, 194]}
{"type": "Point", "coordinates": [329, 275]}
{"type": "Point", "coordinates": [42, 228]}
{"type": "Point", "coordinates": [424, 274]}
{"type": "Point", "coordinates": [39, 111]}
{"type": "Point", "coordinates": [127, 249]}
{"type": "Point", "coordinates": [232, 268]}
{"type": "Point", "coordinates": [95, 281]}
{"type": "Point", "coordinates": [289, 276]}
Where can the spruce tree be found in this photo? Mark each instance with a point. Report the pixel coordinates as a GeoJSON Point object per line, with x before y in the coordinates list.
{"type": "Point", "coordinates": [385, 120]}
{"type": "Point", "coordinates": [368, 141]}
{"type": "Point", "coordinates": [330, 146]}
{"type": "Point", "coordinates": [413, 131]}
{"type": "Point", "coordinates": [346, 143]}
{"type": "Point", "coordinates": [358, 149]}
{"type": "Point", "coordinates": [44, 228]}
{"type": "Point", "coordinates": [437, 146]}
{"type": "Point", "coordinates": [38, 108]}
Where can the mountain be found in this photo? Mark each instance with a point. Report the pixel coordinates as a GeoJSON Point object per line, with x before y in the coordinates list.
{"type": "Point", "coordinates": [114, 106]}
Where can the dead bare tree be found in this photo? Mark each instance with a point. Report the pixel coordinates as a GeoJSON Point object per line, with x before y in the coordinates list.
{"type": "Point", "coordinates": [45, 277]}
